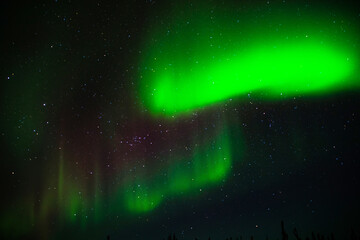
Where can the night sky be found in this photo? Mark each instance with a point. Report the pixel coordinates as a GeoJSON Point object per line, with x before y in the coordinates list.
{"type": "Point", "coordinates": [140, 119]}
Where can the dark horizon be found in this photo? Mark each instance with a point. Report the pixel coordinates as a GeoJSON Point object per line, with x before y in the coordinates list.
{"type": "Point", "coordinates": [353, 235]}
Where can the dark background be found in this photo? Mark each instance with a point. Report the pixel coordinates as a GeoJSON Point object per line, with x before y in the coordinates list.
{"type": "Point", "coordinates": [69, 74]}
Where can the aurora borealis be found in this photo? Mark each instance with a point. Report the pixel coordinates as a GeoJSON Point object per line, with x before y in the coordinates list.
{"type": "Point", "coordinates": [199, 63]}
{"type": "Point", "coordinates": [291, 70]}
{"type": "Point", "coordinates": [141, 119]}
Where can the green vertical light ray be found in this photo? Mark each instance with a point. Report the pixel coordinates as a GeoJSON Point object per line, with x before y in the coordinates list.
{"type": "Point", "coordinates": [208, 165]}
{"type": "Point", "coordinates": [74, 205]}
{"type": "Point", "coordinates": [217, 163]}
{"type": "Point", "coordinates": [61, 178]}
{"type": "Point", "coordinates": [98, 200]}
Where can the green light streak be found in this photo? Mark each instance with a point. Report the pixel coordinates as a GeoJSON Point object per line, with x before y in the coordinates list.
{"type": "Point", "coordinates": [61, 177]}
{"type": "Point", "coordinates": [98, 213]}
{"type": "Point", "coordinates": [208, 166]}
{"type": "Point", "coordinates": [74, 206]}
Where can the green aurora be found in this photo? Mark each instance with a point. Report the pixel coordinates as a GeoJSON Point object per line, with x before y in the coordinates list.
{"type": "Point", "coordinates": [78, 204]}
{"type": "Point", "coordinates": [194, 62]}
{"type": "Point", "coordinates": [208, 165]}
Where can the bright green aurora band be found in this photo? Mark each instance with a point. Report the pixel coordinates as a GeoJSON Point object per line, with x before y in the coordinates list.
{"type": "Point", "coordinates": [199, 61]}
{"type": "Point", "coordinates": [291, 70]}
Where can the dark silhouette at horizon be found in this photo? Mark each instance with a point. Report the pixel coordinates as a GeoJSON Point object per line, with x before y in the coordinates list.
{"type": "Point", "coordinates": [284, 236]}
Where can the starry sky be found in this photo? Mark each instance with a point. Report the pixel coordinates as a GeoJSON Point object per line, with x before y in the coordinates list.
{"type": "Point", "coordinates": [137, 119]}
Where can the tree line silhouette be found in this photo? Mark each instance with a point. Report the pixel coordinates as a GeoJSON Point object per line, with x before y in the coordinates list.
{"type": "Point", "coordinates": [285, 236]}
